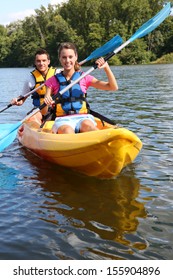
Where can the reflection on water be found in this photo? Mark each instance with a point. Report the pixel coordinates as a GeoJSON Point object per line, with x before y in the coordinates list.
{"type": "Point", "coordinates": [8, 178]}
{"type": "Point", "coordinates": [48, 212]}
{"type": "Point", "coordinates": [112, 217]}
{"type": "Point", "coordinates": [90, 214]}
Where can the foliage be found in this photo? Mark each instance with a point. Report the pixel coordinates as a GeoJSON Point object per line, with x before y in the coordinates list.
{"type": "Point", "coordinates": [136, 53]}
{"type": "Point", "coordinates": [167, 58]}
{"type": "Point", "coordinates": [89, 24]}
{"type": "Point", "coordinates": [4, 44]}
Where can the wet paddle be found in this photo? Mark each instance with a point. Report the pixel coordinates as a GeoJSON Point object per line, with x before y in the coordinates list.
{"type": "Point", "coordinates": [101, 51]}
{"type": "Point", "coordinates": [142, 31]}
{"type": "Point", "coordinates": [145, 29]}
{"type": "Point", "coordinates": [21, 98]}
{"type": "Point", "coordinates": [7, 138]}
{"type": "Point", "coordinates": [105, 49]}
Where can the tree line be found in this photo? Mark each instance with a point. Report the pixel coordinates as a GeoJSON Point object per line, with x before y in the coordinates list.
{"type": "Point", "coordinates": [89, 24]}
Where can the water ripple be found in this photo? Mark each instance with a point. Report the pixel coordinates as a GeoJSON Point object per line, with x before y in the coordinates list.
{"type": "Point", "coordinates": [48, 212]}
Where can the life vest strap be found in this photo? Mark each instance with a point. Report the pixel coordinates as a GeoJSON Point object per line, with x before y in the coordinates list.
{"type": "Point", "coordinates": [70, 99]}
{"type": "Point", "coordinates": [37, 96]}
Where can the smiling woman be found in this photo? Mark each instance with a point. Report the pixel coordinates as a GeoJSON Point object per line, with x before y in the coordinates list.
{"type": "Point", "coordinates": [18, 10]}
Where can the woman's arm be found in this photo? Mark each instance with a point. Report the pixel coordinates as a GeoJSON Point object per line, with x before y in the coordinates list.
{"type": "Point", "coordinates": [52, 87]}
{"type": "Point", "coordinates": [111, 84]}
{"type": "Point", "coordinates": [48, 100]}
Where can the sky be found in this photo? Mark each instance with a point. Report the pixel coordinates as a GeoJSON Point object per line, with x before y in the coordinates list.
{"type": "Point", "coordinates": [14, 10]}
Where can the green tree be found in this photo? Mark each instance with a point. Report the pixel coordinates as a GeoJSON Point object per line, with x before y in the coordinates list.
{"type": "Point", "coordinates": [4, 44]}
{"type": "Point", "coordinates": [80, 14]}
{"type": "Point", "coordinates": [89, 24]}
{"type": "Point", "coordinates": [136, 53]}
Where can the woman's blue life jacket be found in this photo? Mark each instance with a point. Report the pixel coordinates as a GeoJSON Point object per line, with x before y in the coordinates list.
{"type": "Point", "coordinates": [72, 101]}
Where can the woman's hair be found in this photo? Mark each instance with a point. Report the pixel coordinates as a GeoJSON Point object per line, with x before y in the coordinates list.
{"type": "Point", "coordinates": [71, 46]}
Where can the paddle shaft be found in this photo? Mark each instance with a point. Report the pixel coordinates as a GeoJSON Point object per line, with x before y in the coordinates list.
{"type": "Point", "coordinates": [145, 29]}
{"type": "Point", "coordinates": [55, 96]}
{"type": "Point", "coordinates": [22, 97]}
{"type": "Point", "coordinates": [62, 91]}
{"type": "Point", "coordinates": [106, 48]}
{"type": "Point", "coordinates": [142, 31]}
{"type": "Point", "coordinates": [88, 72]}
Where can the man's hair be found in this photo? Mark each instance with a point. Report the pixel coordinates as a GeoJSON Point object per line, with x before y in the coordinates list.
{"type": "Point", "coordinates": [42, 51]}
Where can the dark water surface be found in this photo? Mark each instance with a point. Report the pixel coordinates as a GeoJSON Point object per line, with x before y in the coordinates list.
{"type": "Point", "coordinates": [48, 212]}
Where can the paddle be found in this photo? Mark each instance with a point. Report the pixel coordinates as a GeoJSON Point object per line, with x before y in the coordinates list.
{"type": "Point", "coordinates": [142, 31]}
{"type": "Point", "coordinates": [105, 49]}
{"type": "Point", "coordinates": [145, 29]}
{"type": "Point", "coordinates": [7, 138]}
{"type": "Point", "coordinates": [101, 51]}
{"type": "Point", "coordinates": [22, 97]}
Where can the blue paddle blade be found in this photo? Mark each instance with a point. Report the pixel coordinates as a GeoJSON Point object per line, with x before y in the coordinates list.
{"type": "Point", "coordinates": [152, 23]}
{"type": "Point", "coordinates": [106, 48]}
{"type": "Point", "coordinates": [8, 133]}
{"type": "Point", "coordinates": [6, 141]}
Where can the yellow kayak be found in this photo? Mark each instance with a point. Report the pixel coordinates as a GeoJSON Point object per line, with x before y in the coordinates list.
{"type": "Point", "coordinates": [102, 153]}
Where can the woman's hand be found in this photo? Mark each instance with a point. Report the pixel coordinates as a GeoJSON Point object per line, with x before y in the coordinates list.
{"type": "Point", "coordinates": [101, 63]}
{"type": "Point", "coordinates": [48, 100]}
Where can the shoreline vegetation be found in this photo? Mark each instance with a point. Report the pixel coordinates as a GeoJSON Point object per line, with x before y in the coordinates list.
{"type": "Point", "coordinates": [89, 24]}
{"type": "Point", "coordinates": [165, 59]}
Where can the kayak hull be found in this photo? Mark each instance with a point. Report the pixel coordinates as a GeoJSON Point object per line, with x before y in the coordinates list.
{"type": "Point", "coordinates": [102, 153]}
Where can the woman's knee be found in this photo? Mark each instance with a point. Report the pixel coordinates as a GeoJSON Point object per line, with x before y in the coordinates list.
{"type": "Point", "coordinates": [65, 129]}
{"type": "Point", "coordinates": [87, 125]}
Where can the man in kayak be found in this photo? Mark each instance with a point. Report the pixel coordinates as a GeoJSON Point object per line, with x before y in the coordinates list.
{"type": "Point", "coordinates": [71, 108]}
{"type": "Point", "coordinates": [38, 76]}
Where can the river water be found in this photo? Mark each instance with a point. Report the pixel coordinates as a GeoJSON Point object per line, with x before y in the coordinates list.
{"type": "Point", "coordinates": [48, 212]}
